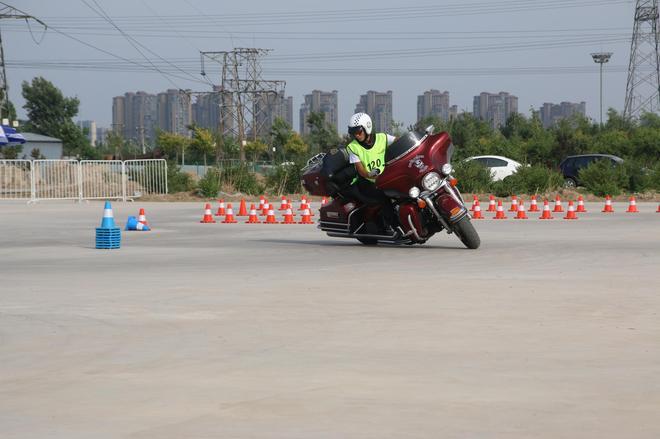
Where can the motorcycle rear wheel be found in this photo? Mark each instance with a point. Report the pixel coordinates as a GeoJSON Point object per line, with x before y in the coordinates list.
{"type": "Point", "coordinates": [466, 233]}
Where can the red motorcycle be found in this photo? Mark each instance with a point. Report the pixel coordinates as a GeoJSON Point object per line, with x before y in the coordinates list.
{"type": "Point", "coordinates": [417, 179]}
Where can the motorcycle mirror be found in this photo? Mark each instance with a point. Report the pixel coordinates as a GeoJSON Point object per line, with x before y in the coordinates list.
{"type": "Point", "coordinates": [429, 129]}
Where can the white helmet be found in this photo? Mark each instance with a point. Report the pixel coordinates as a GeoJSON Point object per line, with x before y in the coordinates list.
{"type": "Point", "coordinates": [359, 120]}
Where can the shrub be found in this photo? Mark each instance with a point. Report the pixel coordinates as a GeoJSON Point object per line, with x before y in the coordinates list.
{"type": "Point", "coordinates": [241, 179]}
{"type": "Point", "coordinates": [178, 181]}
{"type": "Point", "coordinates": [533, 179]}
{"type": "Point", "coordinates": [639, 177]}
{"type": "Point", "coordinates": [473, 177]}
{"type": "Point", "coordinates": [285, 178]}
{"type": "Point", "coordinates": [603, 178]}
{"type": "Point", "coordinates": [654, 177]}
{"type": "Point", "coordinates": [209, 185]}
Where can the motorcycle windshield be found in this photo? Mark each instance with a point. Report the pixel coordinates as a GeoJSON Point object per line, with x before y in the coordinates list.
{"type": "Point", "coordinates": [402, 146]}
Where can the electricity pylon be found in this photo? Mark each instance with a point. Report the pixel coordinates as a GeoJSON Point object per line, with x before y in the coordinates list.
{"type": "Point", "coordinates": [643, 87]}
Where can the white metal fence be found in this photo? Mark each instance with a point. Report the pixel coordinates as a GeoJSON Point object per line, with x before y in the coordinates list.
{"type": "Point", "coordinates": [81, 180]}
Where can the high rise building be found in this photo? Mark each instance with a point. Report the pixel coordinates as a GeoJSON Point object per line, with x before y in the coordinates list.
{"type": "Point", "coordinates": [101, 135]}
{"type": "Point", "coordinates": [270, 106]}
{"type": "Point", "coordinates": [319, 102]}
{"type": "Point", "coordinates": [206, 111]}
{"type": "Point", "coordinates": [89, 128]}
{"type": "Point", "coordinates": [378, 105]}
{"type": "Point", "coordinates": [174, 112]}
{"type": "Point", "coordinates": [495, 108]}
{"type": "Point", "coordinates": [550, 113]}
{"type": "Point", "coordinates": [435, 103]}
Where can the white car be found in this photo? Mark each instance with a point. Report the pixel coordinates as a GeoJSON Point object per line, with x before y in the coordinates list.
{"type": "Point", "coordinates": [500, 167]}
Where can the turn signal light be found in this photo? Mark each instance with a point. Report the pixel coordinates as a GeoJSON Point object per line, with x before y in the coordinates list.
{"type": "Point", "coordinates": [421, 203]}
{"type": "Point", "coordinates": [453, 182]}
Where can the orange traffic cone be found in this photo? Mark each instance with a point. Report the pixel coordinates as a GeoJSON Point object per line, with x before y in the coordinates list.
{"type": "Point", "coordinates": [658, 211]}
{"type": "Point", "coordinates": [324, 201]}
{"type": "Point", "coordinates": [265, 208]}
{"type": "Point", "coordinates": [546, 211]}
{"type": "Point", "coordinates": [303, 202]}
{"type": "Point", "coordinates": [306, 217]}
{"type": "Point", "coordinates": [558, 207]}
{"type": "Point", "coordinates": [477, 211]}
{"type": "Point", "coordinates": [208, 216]}
{"type": "Point", "coordinates": [580, 206]}
{"type": "Point", "coordinates": [242, 210]}
{"type": "Point", "coordinates": [521, 211]}
{"type": "Point", "coordinates": [533, 207]}
{"type": "Point", "coordinates": [262, 201]}
{"type": "Point", "coordinates": [284, 203]}
{"type": "Point", "coordinates": [288, 216]}
{"type": "Point", "coordinates": [270, 217]}
{"type": "Point", "coordinates": [608, 205]}
{"type": "Point", "coordinates": [221, 209]}
{"type": "Point", "coordinates": [514, 204]}
{"type": "Point", "coordinates": [500, 211]}
{"type": "Point", "coordinates": [142, 219]}
{"type": "Point", "coordinates": [491, 204]}
{"type": "Point", "coordinates": [632, 206]}
{"type": "Point", "coordinates": [229, 217]}
{"type": "Point", "coordinates": [475, 200]}
{"type": "Point", "coordinates": [253, 218]}
{"type": "Point", "coordinates": [570, 215]}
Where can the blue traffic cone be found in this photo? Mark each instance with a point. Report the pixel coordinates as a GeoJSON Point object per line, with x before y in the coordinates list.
{"type": "Point", "coordinates": [108, 236]}
{"type": "Point", "coordinates": [133, 224]}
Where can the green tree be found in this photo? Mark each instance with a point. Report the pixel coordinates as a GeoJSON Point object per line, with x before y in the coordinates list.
{"type": "Point", "coordinates": [295, 147]}
{"type": "Point", "coordinates": [51, 114]}
{"type": "Point", "coordinates": [256, 148]}
{"type": "Point", "coordinates": [10, 111]}
{"type": "Point", "coordinates": [323, 136]}
{"type": "Point", "coordinates": [280, 134]}
{"type": "Point", "coordinates": [172, 144]}
{"type": "Point", "coordinates": [203, 142]}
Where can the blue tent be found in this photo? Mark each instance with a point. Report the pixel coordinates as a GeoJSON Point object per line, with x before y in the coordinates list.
{"type": "Point", "coordinates": [9, 136]}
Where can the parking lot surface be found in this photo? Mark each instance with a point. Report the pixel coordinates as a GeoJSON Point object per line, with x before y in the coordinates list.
{"type": "Point", "coordinates": [549, 330]}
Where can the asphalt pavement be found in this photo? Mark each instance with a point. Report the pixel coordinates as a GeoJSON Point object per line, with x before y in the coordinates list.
{"type": "Point", "coordinates": [549, 330]}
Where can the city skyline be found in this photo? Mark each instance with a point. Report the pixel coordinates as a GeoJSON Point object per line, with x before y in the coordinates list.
{"type": "Point", "coordinates": [446, 46]}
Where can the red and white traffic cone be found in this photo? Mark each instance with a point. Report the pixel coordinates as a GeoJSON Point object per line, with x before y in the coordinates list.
{"type": "Point", "coordinates": [658, 211]}
{"type": "Point", "coordinates": [477, 211]}
{"type": "Point", "coordinates": [533, 207]}
{"type": "Point", "coordinates": [514, 204]}
{"type": "Point", "coordinates": [632, 205]}
{"type": "Point", "coordinates": [253, 218]}
{"type": "Point", "coordinates": [284, 203]}
{"type": "Point", "coordinates": [142, 219]}
{"type": "Point", "coordinates": [558, 207]}
{"type": "Point", "coordinates": [475, 200]}
{"type": "Point", "coordinates": [270, 217]}
{"type": "Point", "coordinates": [500, 211]}
{"type": "Point", "coordinates": [265, 209]}
{"type": "Point", "coordinates": [580, 205]}
{"type": "Point", "coordinates": [208, 216]}
{"type": "Point", "coordinates": [303, 202]}
{"type": "Point", "coordinates": [229, 217]}
{"type": "Point", "coordinates": [288, 216]}
{"type": "Point", "coordinates": [306, 217]}
{"type": "Point", "coordinates": [546, 211]}
{"type": "Point", "coordinates": [521, 211]}
{"type": "Point", "coordinates": [221, 208]}
{"type": "Point", "coordinates": [608, 205]}
{"type": "Point", "coordinates": [491, 204]}
{"type": "Point", "coordinates": [570, 215]}
{"type": "Point", "coordinates": [324, 201]}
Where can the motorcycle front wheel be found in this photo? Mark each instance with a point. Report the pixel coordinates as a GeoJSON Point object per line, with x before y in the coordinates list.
{"type": "Point", "coordinates": [466, 233]}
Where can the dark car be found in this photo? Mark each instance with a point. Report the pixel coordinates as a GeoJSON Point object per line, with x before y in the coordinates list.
{"type": "Point", "coordinates": [571, 165]}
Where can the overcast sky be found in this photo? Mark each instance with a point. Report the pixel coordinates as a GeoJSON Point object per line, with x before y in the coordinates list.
{"type": "Point", "coordinates": [538, 50]}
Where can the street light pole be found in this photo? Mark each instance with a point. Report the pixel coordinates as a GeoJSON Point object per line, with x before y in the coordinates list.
{"type": "Point", "coordinates": [601, 58]}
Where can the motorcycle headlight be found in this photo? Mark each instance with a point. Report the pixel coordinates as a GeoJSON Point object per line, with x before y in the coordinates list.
{"type": "Point", "coordinates": [413, 192]}
{"type": "Point", "coordinates": [447, 169]}
{"type": "Point", "coordinates": [431, 181]}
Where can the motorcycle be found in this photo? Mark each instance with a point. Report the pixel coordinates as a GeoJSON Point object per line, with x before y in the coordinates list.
{"type": "Point", "coordinates": [417, 179]}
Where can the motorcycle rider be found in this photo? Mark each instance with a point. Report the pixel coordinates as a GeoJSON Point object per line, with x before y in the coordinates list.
{"type": "Point", "coordinates": [367, 153]}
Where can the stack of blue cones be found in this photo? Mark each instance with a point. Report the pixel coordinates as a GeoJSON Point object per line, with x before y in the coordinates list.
{"type": "Point", "coordinates": [108, 236]}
